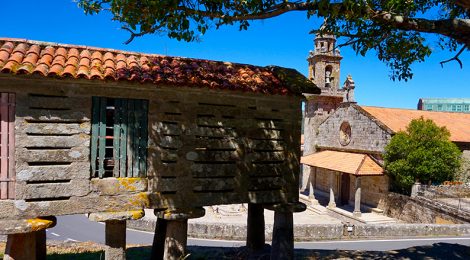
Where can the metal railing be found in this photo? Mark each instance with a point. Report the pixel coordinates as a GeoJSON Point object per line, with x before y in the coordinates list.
{"type": "Point", "coordinates": [455, 196]}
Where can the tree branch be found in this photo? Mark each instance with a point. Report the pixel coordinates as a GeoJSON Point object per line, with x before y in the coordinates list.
{"type": "Point", "coordinates": [142, 33]}
{"type": "Point", "coordinates": [458, 28]}
{"type": "Point", "coordinates": [463, 3]}
{"type": "Point", "coordinates": [456, 58]}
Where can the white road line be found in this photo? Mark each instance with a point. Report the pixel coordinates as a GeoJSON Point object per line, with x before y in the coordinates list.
{"type": "Point", "coordinates": [55, 234]}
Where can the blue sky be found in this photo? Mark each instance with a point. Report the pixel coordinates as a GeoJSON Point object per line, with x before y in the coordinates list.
{"type": "Point", "coordinates": [283, 41]}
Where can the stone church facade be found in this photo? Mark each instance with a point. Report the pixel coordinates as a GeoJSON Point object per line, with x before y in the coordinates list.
{"type": "Point", "coordinates": [344, 142]}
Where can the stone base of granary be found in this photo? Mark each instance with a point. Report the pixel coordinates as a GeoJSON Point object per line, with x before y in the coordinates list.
{"type": "Point", "coordinates": [26, 238]}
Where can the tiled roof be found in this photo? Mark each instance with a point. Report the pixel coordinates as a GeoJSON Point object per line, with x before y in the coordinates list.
{"type": "Point", "coordinates": [353, 163]}
{"type": "Point", "coordinates": [18, 56]}
{"type": "Point", "coordinates": [397, 119]}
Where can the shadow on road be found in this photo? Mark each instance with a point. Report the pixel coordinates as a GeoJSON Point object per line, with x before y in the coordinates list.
{"type": "Point", "coordinates": [442, 251]}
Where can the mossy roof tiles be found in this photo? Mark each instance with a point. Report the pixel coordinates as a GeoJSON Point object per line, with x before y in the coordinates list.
{"type": "Point", "coordinates": [19, 56]}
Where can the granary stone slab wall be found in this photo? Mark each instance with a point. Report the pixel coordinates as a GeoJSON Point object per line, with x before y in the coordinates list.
{"type": "Point", "coordinates": [205, 147]}
{"type": "Point", "coordinates": [366, 134]}
{"type": "Point", "coordinates": [218, 140]}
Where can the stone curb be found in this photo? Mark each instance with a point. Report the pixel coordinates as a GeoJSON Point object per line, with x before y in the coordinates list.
{"type": "Point", "coordinates": [315, 232]}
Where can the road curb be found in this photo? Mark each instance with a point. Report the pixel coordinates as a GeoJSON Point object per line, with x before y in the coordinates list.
{"type": "Point", "coordinates": [315, 232]}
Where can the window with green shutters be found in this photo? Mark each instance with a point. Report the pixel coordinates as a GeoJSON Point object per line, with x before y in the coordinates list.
{"type": "Point", "coordinates": [119, 137]}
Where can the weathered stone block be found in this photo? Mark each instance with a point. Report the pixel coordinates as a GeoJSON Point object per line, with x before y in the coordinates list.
{"type": "Point", "coordinates": [76, 170]}
{"type": "Point", "coordinates": [116, 216]}
{"type": "Point", "coordinates": [77, 187]}
{"type": "Point", "coordinates": [116, 186]}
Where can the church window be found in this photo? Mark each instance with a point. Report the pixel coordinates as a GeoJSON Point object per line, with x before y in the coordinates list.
{"type": "Point", "coordinates": [439, 107]}
{"type": "Point", "coordinates": [466, 107]}
{"type": "Point", "coordinates": [459, 108]}
{"type": "Point", "coordinates": [428, 107]}
{"type": "Point", "coordinates": [345, 133]}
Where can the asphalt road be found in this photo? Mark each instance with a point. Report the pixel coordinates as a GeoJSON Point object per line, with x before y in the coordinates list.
{"type": "Point", "coordinates": [79, 228]}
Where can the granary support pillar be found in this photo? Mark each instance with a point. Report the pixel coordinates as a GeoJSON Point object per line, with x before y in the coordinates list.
{"type": "Point", "coordinates": [31, 243]}
{"type": "Point", "coordinates": [115, 239]}
{"type": "Point", "coordinates": [21, 246]}
{"type": "Point", "coordinates": [171, 233]}
{"type": "Point", "coordinates": [283, 230]}
{"type": "Point", "coordinates": [255, 239]}
{"type": "Point", "coordinates": [115, 231]}
{"type": "Point", "coordinates": [357, 198]}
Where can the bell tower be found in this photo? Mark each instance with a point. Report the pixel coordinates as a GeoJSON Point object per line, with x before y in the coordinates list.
{"type": "Point", "coordinates": [324, 63]}
{"type": "Point", "coordinates": [324, 70]}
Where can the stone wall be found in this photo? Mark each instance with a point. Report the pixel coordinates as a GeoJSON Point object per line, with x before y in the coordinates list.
{"type": "Point", "coordinates": [366, 134]}
{"type": "Point", "coordinates": [310, 232]}
{"type": "Point", "coordinates": [421, 210]}
{"type": "Point", "coordinates": [322, 181]}
{"type": "Point", "coordinates": [373, 189]}
{"type": "Point", "coordinates": [464, 173]}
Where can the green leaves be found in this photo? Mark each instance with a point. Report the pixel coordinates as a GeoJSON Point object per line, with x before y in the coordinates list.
{"type": "Point", "coordinates": [423, 152]}
{"type": "Point", "coordinates": [394, 29]}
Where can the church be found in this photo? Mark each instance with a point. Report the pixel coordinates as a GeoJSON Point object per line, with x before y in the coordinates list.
{"type": "Point", "coordinates": [344, 142]}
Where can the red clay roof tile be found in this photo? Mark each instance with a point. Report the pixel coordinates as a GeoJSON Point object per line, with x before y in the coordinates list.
{"type": "Point", "coordinates": [19, 56]}
{"type": "Point", "coordinates": [397, 119]}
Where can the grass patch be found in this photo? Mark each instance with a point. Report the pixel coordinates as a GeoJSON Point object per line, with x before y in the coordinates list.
{"type": "Point", "coordinates": [92, 251]}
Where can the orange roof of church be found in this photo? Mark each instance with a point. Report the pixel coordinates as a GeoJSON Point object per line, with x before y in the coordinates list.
{"type": "Point", "coordinates": [353, 163]}
{"type": "Point", "coordinates": [20, 56]}
{"type": "Point", "coordinates": [397, 119]}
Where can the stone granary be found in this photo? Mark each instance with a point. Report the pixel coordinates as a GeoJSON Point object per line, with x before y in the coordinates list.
{"type": "Point", "coordinates": [344, 142]}
{"type": "Point", "coordinates": [109, 133]}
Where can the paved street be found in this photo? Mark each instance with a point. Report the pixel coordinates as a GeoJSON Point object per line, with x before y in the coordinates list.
{"type": "Point", "coordinates": [79, 228]}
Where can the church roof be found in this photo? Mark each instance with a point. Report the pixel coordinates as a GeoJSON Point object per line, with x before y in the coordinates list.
{"type": "Point", "coordinates": [25, 57]}
{"type": "Point", "coordinates": [397, 119]}
{"type": "Point", "coordinates": [353, 163]}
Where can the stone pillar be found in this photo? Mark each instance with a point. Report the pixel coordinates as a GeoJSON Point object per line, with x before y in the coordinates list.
{"type": "Point", "coordinates": [357, 198]}
{"type": "Point", "coordinates": [175, 225]}
{"type": "Point", "coordinates": [313, 180]}
{"type": "Point", "coordinates": [332, 203]}
{"type": "Point", "coordinates": [176, 238]}
{"type": "Point", "coordinates": [41, 248]}
{"type": "Point", "coordinates": [115, 230]}
{"type": "Point", "coordinates": [115, 240]}
{"type": "Point", "coordinates": [283, 230]}
{"type": "Point", "coordinates": [255, 238]}
{"type": "Point", "coordinates": [415, 189]}
{"type": "Point", "coordinates": [304, 178]}
{"type": "Point", "coordinates": [158, 245]}
{"type": "Point", "coordinates": [21, 246]}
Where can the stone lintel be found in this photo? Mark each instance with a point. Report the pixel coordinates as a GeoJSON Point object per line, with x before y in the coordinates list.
{"type": "Point", "coordinates": [180, 214]}
{"type": "Point", "coordinates": [287, 207]}
{"type": "Point", "coordinates": [116, 216]}
{"type": "Point", "coordinates": [22, 226]}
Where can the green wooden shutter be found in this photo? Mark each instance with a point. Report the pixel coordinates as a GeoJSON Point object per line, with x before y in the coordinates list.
{"type": "Point", "coordinates": [130, 137]}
